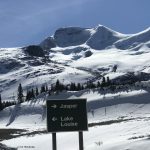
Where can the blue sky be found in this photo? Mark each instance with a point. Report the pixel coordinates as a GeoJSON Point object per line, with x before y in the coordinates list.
{"type": "Point", "coordinates": [24, 22]}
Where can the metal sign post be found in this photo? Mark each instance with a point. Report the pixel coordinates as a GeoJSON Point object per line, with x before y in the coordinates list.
{"type": "Point", "coordinates": [67, 116]}
{"type": "Point", "coordinates": [54, 141]}
{"type": "Point", "coordinates": [80, 140]}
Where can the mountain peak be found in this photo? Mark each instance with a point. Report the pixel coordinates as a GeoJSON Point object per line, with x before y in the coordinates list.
{"type": "Point", "coordinates": [103, 37]}
{"type": "Point", "coordinates": [100, 27]}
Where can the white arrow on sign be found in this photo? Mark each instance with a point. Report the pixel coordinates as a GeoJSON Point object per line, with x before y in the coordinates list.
{"type": "Point", "coordinates": [54, 119]}
{"type": "Point", "coordinates": [54, 106]}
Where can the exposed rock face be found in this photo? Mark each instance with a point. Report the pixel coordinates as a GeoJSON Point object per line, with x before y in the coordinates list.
{"type": "Point", "coordinates": [71, 36]}
{"type": "Point", "coordinates": [48, 43]}
{"type": "Point", "coordinates": [88, 53]}
{"type": "Point", "coordinates": [34, 50]}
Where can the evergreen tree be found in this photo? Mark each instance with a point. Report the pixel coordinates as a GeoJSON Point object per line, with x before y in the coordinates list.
{"type": "Point", "coordinates": [43, 89]}
{"type": "Point", "coordinates": [62, 87]}
{"type": "Point", "coordinates": [3, 104]}
{"type": "Point", "coordinates": [20, 93]}
{"type": "Point", "coordinates": [82, 87]}
{"type": "Point", "coordinates": [98, 84]}
{"type": "Point", "coordinates": [57, 86]}
{"type": "Point", "coordinates": [52, 88]}
{"type": "Point", "coordinates": [37, 92]}
{"type": "Point", "coordinates": [32, 93]}
{"type": "Point", "coordinates": [27, 96]}
{"type": "Point", "coordinates": [108, 81]}
{"type": "Point", "coordinates": [6, 104]}
{"type": "Point", "coordinates": [66, 88]}
{"type": "Point", "coordinates": [90, 85]}
{"type": "Point", "coordinates": [79, 87]}
{"type": "Point", "coordinates": [103, 82]}
{"type": "Point", "coordinates": [73, 87]}
{"type": "Point", "coordinates": [49, 92]}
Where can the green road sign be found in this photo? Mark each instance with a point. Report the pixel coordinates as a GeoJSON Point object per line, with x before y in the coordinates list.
{"type": "Point", "coordinates": [66, 115]}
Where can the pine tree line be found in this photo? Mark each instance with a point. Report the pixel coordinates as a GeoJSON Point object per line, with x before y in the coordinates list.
{"type": "Point", "coordinates": [5, 104]}
{"type": "Point", "coordinates": [55, 88]}
{"type": "Point", "coordinates": [59, 87]}
{"type": "Point", "coordinates": [105, 84]}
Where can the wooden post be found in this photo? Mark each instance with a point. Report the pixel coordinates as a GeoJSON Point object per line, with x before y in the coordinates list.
{"type": "Point", "coordinates": [80, 140]}
{"type": "Point", "coordinates": [54, 146]}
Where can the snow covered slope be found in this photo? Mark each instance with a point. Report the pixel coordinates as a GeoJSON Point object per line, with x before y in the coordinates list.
{"type": "Point", "coordinates": [120, 121]}
{"type": "Point", "coordinates": [121, 117]}
{"type": "Point", "coordinates": [76, 54]}
{"type": "Point", "coordinates": [104, 37]}
{"type": "Point", "coordinates": [134, 40]}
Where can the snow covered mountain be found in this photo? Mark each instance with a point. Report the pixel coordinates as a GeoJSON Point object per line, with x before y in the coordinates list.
{"type": "Point", "coordinates": [103, 37]}
{"type": "Point", "coordinates": [134, 41]}
{"type": "Point", "coordinates": [98, 38]}
{"type": "Point", "coordinates": [79, 55]}
{"type": "Point", "coordinates": [76, 54]}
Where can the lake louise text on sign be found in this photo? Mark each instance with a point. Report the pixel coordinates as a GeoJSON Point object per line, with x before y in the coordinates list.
{"type": "Point", "coordinates": [66, 115]}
